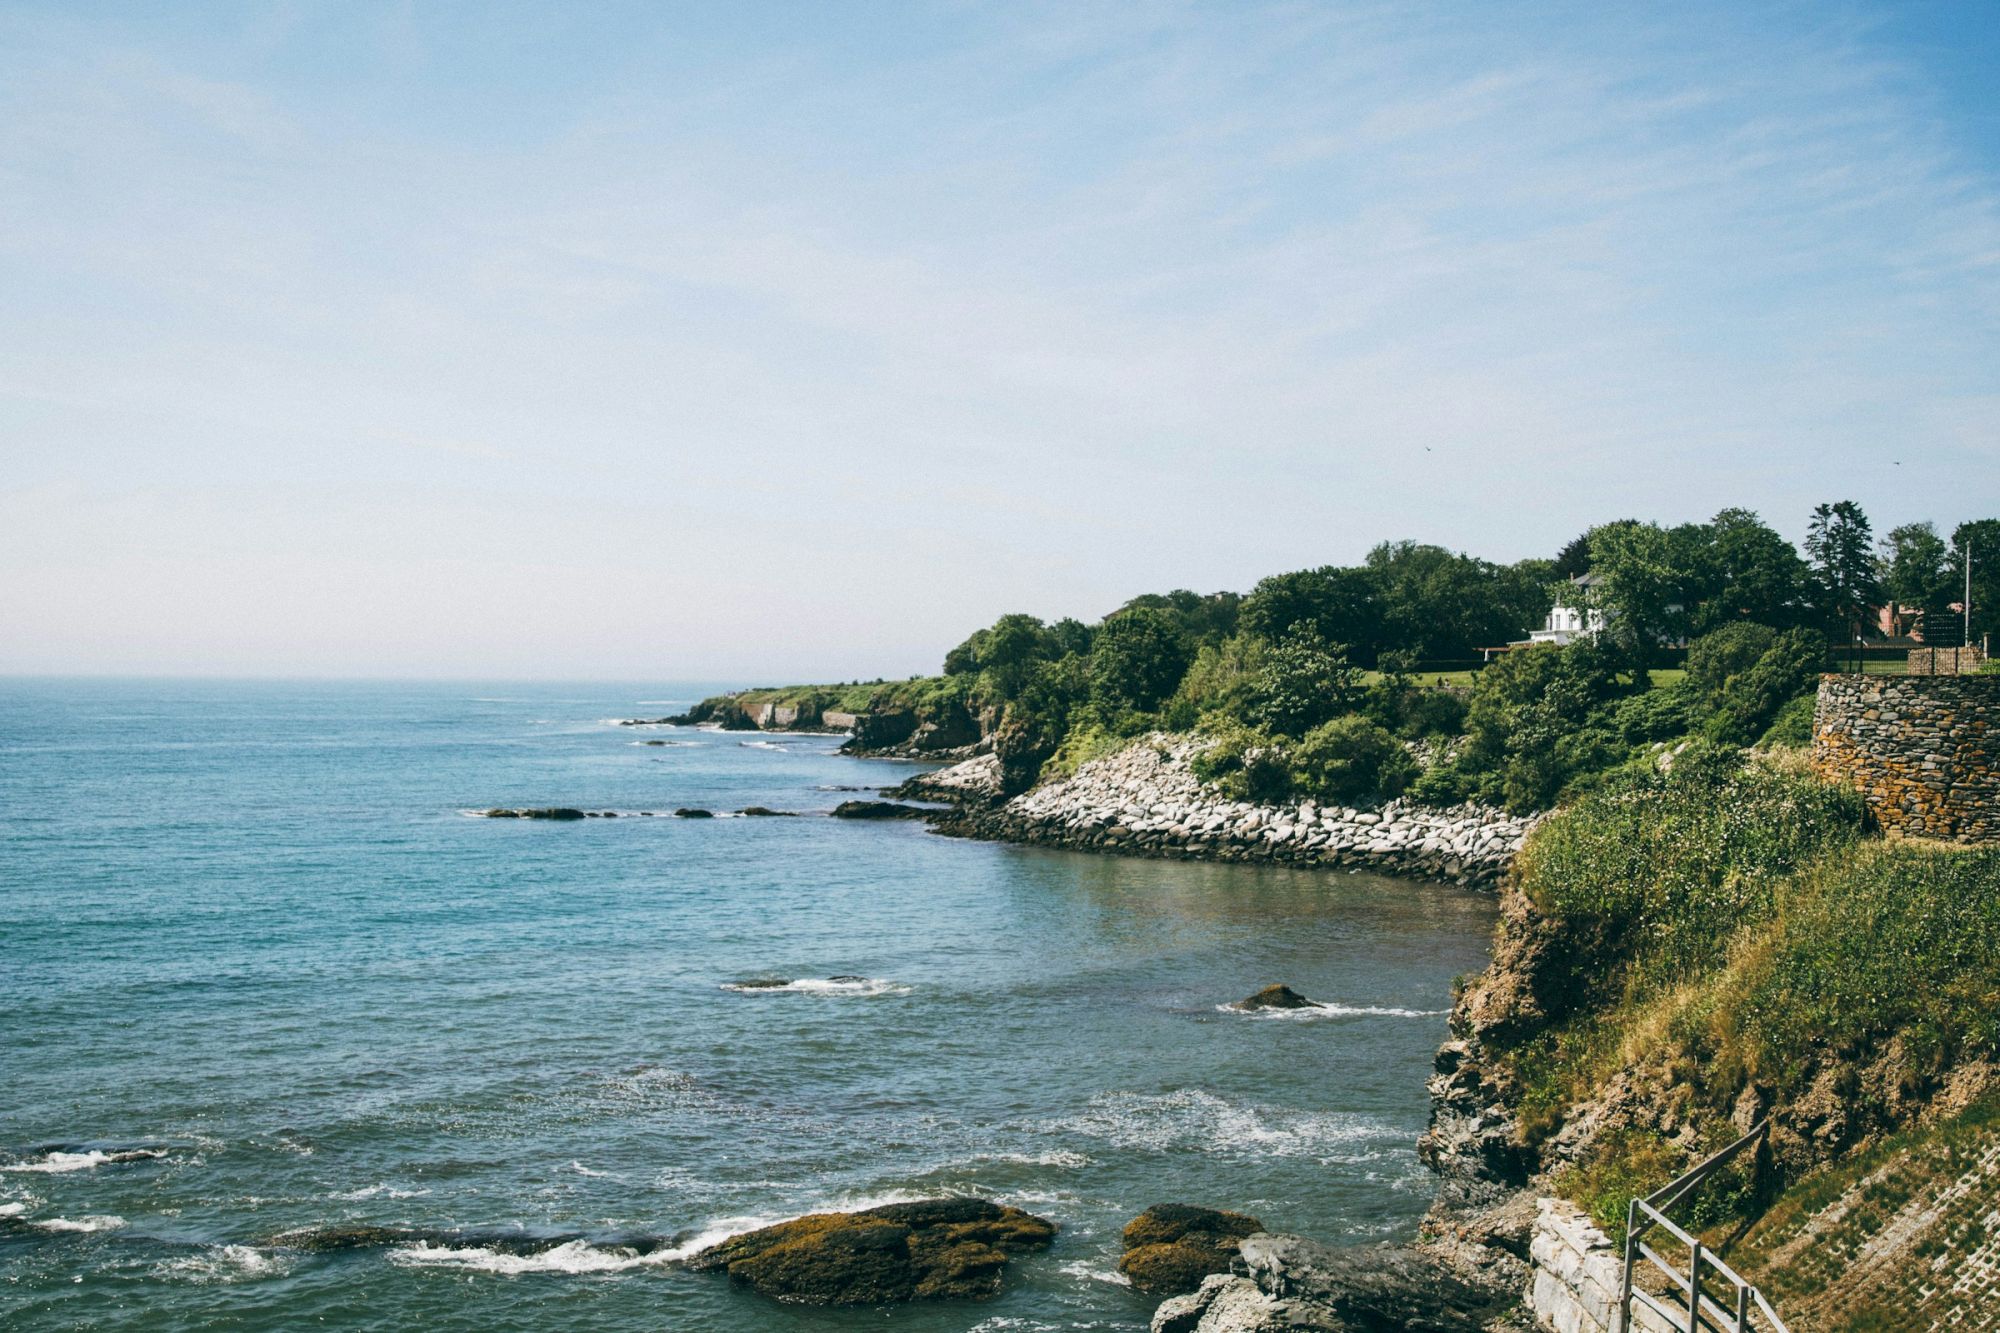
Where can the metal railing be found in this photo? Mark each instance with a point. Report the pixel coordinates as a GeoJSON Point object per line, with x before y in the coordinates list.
{"type": "Point", "coordinates": [1744, 1301]}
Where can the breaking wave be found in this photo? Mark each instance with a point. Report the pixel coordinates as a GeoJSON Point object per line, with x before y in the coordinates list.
{"type": "Point", "coordinates": [225, 1263]}
{"type": "Point", "coordinates": [1323, 1009]}
{"type": "Point", "coordinates": [58, 1162]}
{"type": "Point", "coordinates": [831, 986]}
{"type": "Point", "coordinates": [1190, 1120]}
{"type": "Point", "coordinates": [96, 1222]}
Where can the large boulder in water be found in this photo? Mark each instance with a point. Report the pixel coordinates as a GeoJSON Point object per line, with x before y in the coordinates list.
{"type": "Point", "coordinates": [1276, 997]}
{"type": "Point", "coordinates": [934, 1249]}
{"type": "Point", "coordinates": [879, 810]}
{"type": "Point", "coordinates": [1171, 1247]}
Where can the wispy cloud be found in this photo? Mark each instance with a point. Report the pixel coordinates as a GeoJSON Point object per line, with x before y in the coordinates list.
{"type": "Point", "coordinates": [1056, 304]}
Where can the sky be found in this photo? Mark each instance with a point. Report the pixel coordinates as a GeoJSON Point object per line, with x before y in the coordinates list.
{"type": "Point", "coordinates": [777, 342]}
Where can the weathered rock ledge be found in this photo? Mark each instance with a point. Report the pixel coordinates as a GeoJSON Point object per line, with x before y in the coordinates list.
{"type": "Point", "coordinates": [1146, 801]}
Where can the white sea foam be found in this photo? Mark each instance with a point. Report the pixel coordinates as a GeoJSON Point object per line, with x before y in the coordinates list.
{"type": "Point", "coordinates": [377, 1192]}
{"type": "Point", "coordinates": [14, 1209]}
{"type": "Point", "coordinates": [95, 1222]}
{"type": "Point", "coordinates": [858, 986]}
{"type": "Point", "coordinates": [59, 1163]}
{"type": "Point", "coordinates": [1060, 1157]}
{"type": "Point", "coordinates": [225, 1263]}
{"type": "Point", "coordinates": [1324, 1009]}
{"type": "Point", "coordinates": [1094, 1272]}
{"type": "Point", "coordinates": [583, 1170]}
{"type": "Point", "coordinates": [1193, 1120]}
{"type": "Point", "coordinates": [760, 745]}
{"type": "Point", "coordinates": [574, 1256]}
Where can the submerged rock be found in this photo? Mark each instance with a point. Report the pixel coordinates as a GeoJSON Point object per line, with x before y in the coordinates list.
{"type": "Point", "coordinates": [338, 1237]}
{"type": "Point", "coordinates": [1276, 997]}
{"type": "Point", "coordinates": [878, 810]}
{"type": "Point", "coordinates": [765, 812]}
{"type": "Point", "coordinates": [543, 812]}
{"type": "Point", "coordinates": [934, 1249]}
{"type": "Point", "coordinates": [1171, 1247]}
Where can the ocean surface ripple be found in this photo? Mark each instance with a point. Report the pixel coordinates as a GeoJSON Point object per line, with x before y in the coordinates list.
{"type": "Point", "coordinates": [261, 975]}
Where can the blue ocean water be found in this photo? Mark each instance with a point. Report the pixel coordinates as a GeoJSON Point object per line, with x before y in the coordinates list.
{"type": "Point", "coordinates": [259, 970]}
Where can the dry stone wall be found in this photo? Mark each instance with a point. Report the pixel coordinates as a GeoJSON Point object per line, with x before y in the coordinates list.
{"type": "Point", "coordinates": [1923, 750]}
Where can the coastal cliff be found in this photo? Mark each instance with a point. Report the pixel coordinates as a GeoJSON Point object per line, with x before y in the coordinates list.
{"type": "Point", "coordinates": [1680, 957]}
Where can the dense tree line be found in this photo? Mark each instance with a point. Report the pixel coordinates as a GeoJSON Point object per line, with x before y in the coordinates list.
{"type": "Point", "coordinates": [1312, 684]}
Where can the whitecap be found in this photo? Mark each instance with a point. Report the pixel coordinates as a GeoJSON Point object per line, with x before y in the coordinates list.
{"type": "Point", "coordinates": [830, 986]}
{"type": "Point", "coordinates": [1193, 1120]}
{"type": "Point", "coordinates": [57, 1162]}
{"type": "Point", "coordinates": [1084, 1268]}
{"type": "Point", "coordinates": [15, 1209]}
{"type": "Point", "coordinates": [760, 745]}
{"type": "Point", "coordinates": [377, 1191]}
{"type": "Point", "coordinates": [1060, 1157]}
{"type": "Point", "coordinates": [225, 1263]}
{"type": "Point", "coordinates": [95, 1222]}
{"type": "Point", "coordinates": [583, 1170]}
{"type": "Point", "coordinates": [1325, 1009]}
{"type": "Point", "coordinates": [576, 1256]}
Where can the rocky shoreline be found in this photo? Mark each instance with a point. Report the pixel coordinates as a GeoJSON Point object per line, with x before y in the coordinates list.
{"type": "Point", "coordinates": [1145, 800]}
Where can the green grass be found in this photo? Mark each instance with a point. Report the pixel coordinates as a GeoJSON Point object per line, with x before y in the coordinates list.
{"type": "Point", "coordinates": [1722, 927]}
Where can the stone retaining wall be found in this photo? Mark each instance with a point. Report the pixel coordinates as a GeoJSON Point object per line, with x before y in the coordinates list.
{"type": "Point", "coordinates": [1923, 750]}
{"type": "Point", "coordinates": [1576, 1275]}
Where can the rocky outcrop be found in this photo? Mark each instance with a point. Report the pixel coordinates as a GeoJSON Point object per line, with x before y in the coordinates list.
{"type": "Point", "coordinates": [934, 1249]}
{"type": "Point", "coordinates": [1171, 1247]}
{"type": "Point", "coordinates": [543, 812]}
{"type": "Point", "coordinates": [879, 810]}
{"type": "Point", "coordinates": [1275, 997]}
{"type": "Point", "coordinates": [1284, 1283]}
{"type": "Point", "coordinates": [973, 781]}
{"type": "Point", "coordinates": [1146, 801]}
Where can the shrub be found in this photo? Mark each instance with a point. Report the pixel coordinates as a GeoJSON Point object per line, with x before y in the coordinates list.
{"type": "Point", "coordinates": [1412, 711]}
{"type": "Point", "coordinates": [1301, 683]}
{"type": "Point", "coordinates": [1137, 660]}
{"type": "Point", "coordinates": [1792, 728]}
{"type": "Point", "coordinates": [1350, 758]}
{"type": "Point", "coordinates": [1785, 670]}
{"type": "Point", "coordinates": [1442, 785]}
{"type": "Point", "coordinates": [1715, 659]}
{"type": "Point", "coordinates": [1245, 764]}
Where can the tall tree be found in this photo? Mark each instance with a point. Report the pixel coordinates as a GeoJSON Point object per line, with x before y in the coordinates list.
{"type": "Point", "coordinates": [1574, 559]}
{"type": "Point", "coordinates": [1840, 544]}
{"type": "Point", "coordinates": [1984, 534]}
{"type": "Point", "coordinates": [1914, 568]}
{"type": "Point", "coordinates": [1333, 605]}
{"type": "Point", "coordinates": [1440, 605]}
{"type": "Point", "coordinates": [1758, 576]}
{"type": "Point", "coordinates": [1647, 577]}
{"type": "Point", "coordinates": [1138, 658]}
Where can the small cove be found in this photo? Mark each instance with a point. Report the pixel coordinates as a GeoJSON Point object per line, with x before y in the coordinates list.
{"type": "Point", "coordinates": [247, 927]}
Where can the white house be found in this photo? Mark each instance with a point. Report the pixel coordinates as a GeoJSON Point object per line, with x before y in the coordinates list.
{"type": "Point", "coordinates": [1566, 624]}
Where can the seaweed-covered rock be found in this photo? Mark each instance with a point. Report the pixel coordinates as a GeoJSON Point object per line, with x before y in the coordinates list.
{"type": "Point", "coordinates": [765, 812]}
{"type": "Point", "coordinates": [1171, 1247]}
{"type": "Point", "coordinates": [933, 1249]}
{"type": "Point", "coordinates": [1276, 997]}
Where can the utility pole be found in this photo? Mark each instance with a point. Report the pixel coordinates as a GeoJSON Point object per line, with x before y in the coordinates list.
{"type": "Point", "coordinates": [1967, 640]}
